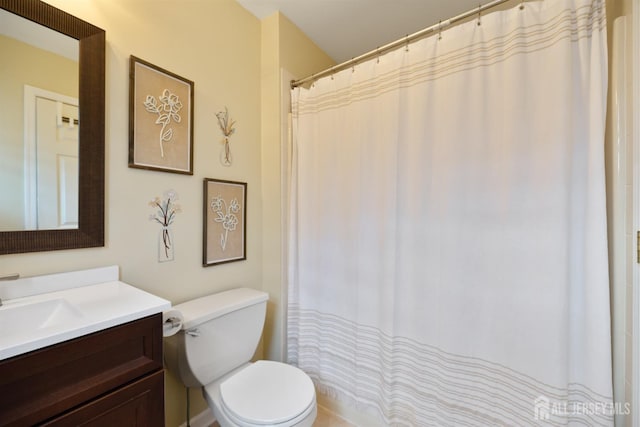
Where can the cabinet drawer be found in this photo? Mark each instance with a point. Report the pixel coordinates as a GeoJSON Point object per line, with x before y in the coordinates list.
{"type": "Point", "coordinates": [44, 383]}
{"type": "Point", "coordinates": [140, 404]}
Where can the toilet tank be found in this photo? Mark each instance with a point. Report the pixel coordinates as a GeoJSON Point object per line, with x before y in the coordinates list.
{"type": "Point", "coordinates": [220, 332]}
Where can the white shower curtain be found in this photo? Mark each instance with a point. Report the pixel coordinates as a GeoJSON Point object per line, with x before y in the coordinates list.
{"type": "Point", "coordinates": [448, 248]}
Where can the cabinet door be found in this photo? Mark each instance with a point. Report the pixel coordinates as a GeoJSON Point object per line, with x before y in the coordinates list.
{"type": "Point", "coordinates": [42, 384]}
{"type": "Point", "coordinates": [140, 404]}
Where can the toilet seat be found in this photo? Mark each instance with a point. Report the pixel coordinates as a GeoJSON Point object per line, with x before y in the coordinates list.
{"type": "Point", "coordinates": [268, 393]}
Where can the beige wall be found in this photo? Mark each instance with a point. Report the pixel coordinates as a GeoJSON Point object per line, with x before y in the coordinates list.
{"type": "Point", "coordinates": [621, 280]}
{"type": "Point", "coordinates": [287, 53]}
{"type": "Point", "coordinates": [24, 69]}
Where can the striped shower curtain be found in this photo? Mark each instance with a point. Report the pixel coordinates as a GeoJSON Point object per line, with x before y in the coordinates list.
{"type": "Point", "coordinates": [447, 243]}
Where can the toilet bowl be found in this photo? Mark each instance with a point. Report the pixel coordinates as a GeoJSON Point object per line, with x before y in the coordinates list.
{"type": "Point", "coordinates": [219, 336]}
{"type": "Point", "coordinates": [264, 393]}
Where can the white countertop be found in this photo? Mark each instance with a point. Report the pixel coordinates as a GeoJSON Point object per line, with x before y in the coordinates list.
{"type": "Point", "coordinates": [35, 321]}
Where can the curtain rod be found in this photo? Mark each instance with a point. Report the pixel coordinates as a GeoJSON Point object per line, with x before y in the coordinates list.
{"type": "Point", "coordinates": [400, 42]}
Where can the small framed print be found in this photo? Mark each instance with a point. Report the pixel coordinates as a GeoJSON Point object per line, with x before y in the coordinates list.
{"type": "Point", "coordinates": [160, 119]}
{"type": "Point", "coordinates": [225, 222]}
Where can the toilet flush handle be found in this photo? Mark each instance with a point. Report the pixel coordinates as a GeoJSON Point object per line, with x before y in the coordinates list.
{"type": "Point", "coordinates": [193, 332]}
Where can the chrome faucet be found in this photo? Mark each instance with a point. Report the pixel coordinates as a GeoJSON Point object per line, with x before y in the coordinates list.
{"type": "Point", "coordinates": [9, 277]}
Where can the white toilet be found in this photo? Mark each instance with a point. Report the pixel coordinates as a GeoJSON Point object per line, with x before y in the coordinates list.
{"type": "Point", "coordinates": [213, 350]}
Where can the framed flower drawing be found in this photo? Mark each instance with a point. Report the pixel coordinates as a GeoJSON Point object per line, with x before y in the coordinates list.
{"type": "Point", "coordinates": [225, 222]}
{"type": "Point", "coordinates": [160, 119]}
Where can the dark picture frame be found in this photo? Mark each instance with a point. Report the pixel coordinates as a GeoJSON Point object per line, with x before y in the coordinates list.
{"type": "Point", "coordinates": [225, 222]}
{"type": "Point", "coordinates": [160, 119]}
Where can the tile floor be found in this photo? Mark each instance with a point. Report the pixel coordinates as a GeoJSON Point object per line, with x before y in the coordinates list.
{"type": "Point", "coordinates": [325, 418]}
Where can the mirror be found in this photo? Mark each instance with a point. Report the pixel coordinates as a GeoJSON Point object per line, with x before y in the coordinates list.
{"type": "Point", "coordinates": [38, 141]}
{"type": "Point", "coordinates": [77, 198]}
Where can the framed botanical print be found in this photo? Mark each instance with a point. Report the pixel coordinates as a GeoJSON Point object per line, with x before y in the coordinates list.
{"type": "Point", "coordinates": [225, 222]}
{"type": "Point", "coordinates": [160, 119]}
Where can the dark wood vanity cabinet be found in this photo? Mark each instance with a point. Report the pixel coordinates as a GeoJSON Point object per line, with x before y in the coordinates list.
{"type": "Point", "coordinates": [109, 378]}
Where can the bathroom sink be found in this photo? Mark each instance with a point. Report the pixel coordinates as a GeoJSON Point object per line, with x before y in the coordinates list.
{"type": "Point", "coordinates": [80, 303]}
{"type": "Point", "coordinates": [23, 318]}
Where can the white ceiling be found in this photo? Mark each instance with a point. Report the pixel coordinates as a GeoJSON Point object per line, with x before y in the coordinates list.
{"type": "Point", "coordinates": [347, 28]}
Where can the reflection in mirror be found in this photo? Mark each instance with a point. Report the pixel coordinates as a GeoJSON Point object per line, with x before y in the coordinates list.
{"type": "Point", "coordinates": [38, 141]}
{"type": "Point", "coordinates": [51, 129]}
{"type": "Point", "coordinates": [51, 168]}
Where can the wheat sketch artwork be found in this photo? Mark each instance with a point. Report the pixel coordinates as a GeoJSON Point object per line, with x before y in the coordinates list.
{"type": "Point", "coordinates": [167, 109]}
{"type": "Point", "coordinates": [227, 127]}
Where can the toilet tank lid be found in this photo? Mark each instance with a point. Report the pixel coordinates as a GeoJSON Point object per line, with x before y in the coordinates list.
{"type": "Point", "coordinates": [203, 309]}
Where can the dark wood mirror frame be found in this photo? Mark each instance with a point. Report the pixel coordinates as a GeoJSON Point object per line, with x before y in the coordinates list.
{"type": "Point", "coordinates": [90, 231]}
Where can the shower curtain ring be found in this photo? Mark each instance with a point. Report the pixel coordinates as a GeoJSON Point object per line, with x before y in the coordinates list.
{"type": "Point", "coordinates": [406, 46]}
{"type": "Point", "coordinates": [479, 14]}
{"type": "Point", "coordinates": [440, 30]}
{"type": "Point", "coordinates": [522, 5]}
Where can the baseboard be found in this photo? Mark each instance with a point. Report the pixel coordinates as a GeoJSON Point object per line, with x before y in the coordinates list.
{"type": "Point", "coordinates": [203, 419]}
